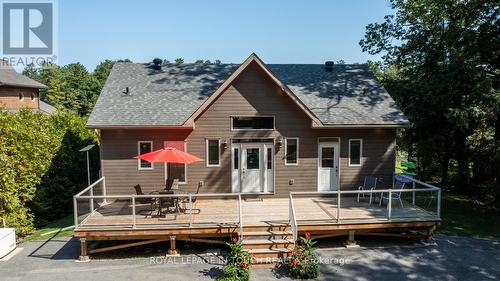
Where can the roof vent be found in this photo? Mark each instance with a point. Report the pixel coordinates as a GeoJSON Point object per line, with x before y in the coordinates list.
{"type": "Point", "coordinates": [329, 66]}
{"type": "Point", "coordinates": [157, 63]}
{"type": "Point", "coordinates": [126, 92]}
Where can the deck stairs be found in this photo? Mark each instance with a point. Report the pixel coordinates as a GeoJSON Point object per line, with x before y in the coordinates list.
{"type": "Point", "coordinates": [268, 245]}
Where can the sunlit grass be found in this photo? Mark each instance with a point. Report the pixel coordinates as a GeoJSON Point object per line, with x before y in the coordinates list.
{"type": "Point", "coordinates": [54, 225]}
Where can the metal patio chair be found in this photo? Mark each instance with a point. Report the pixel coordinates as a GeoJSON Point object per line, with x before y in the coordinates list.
{"type": "Point", "coordinates": [394, 195]}
{"type": "Point", "coordinates": [370, 183]}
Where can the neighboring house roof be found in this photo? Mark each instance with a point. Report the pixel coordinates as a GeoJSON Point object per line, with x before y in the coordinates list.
{"type": "Point", "coordinates": [47, 108]}
{"type": "Point", "coordinates": [350, 95]}
{"type": "Point", "coordinates": [9, 77]}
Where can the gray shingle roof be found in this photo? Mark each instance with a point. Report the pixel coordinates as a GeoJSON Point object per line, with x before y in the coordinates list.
{"type": "Point", "coordinates": [9, 77]}
{"type": "Point", "coordinates": [349, 95]}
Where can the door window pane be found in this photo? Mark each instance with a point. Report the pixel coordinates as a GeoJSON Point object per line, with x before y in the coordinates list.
{"type": "Point", "coordinates": [269, 158]}
{"type": "Point", "coordinates": [213, 149]}
{"type": "Point", "coordinates": [253, 158]}
{"type": "Point", "coordinates": [236, 158]}
{"type": "Point", "coordinates": [291, 150]}
{"type": "Point", "coordinates": [327, 157]}
{"type": "Point", "coordinates": [354, 152]}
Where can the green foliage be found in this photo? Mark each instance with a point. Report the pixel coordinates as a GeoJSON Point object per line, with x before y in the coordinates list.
{"type": "Point", "coordinates": [441, 65]}
{"type": "Point", "coordinates": [179, 61]}
{"type": "Point", "coordinates": [199, 62]}
{"type": "Point", "coordinates": [40, 170]}
{"type": "Point", "coordinates": [238, 263]}
{"type": "Point", "coordinates": [303, 262]}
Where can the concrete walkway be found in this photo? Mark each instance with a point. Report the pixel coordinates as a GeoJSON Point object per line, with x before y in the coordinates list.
{"type": "Point", "coordinates": [451, 258]}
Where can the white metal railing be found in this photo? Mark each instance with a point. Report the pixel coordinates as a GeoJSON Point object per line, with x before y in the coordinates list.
{"type": "Point", "coordinates": [389, 215]}
{"type": "Point", "coordinates": [133, 198]}
{"type": "Point", "coordinates": [293, 219]}
{"type": "Point", "coordinates": [90, 190]}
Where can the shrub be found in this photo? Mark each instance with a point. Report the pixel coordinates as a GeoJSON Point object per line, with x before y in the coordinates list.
{"type": "Point", "coordinates": [238, 263]}
{"type": "Point", "coordinates": [303, 263]}
{"type": "Point", "coordinates": [41, 168]}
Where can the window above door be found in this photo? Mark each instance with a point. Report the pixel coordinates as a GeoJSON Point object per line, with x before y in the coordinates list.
{"type": "Point", "coordinates": [255, 123]}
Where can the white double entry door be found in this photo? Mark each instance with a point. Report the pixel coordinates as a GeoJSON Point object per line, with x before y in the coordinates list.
{"type": "Point", "coordinates": [328, 166]}
{"type": "Point", "coordinates": [252, 167]}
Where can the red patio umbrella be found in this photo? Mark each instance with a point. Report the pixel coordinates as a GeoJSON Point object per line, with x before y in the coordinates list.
{"type": "Point", "coordinates": [169, 155]}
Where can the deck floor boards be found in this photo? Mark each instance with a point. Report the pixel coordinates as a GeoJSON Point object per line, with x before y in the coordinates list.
{"type": "Point", "coordinates": [268, 211]}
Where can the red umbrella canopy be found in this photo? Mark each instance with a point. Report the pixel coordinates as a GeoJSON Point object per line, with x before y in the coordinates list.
{"type": "Point", "coordinates": [169, 155]}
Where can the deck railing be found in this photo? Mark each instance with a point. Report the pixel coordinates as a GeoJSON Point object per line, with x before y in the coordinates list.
{"type": "Point", "coordinates": [421, 195]}
{"type": "Point", "coordinates": [88, 201]}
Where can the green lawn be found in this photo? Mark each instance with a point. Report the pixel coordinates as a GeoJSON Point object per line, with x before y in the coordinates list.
{"type": "Point", "coordinates": [55, 225]}
{"type": "Point", "coordinates": [461, 216]}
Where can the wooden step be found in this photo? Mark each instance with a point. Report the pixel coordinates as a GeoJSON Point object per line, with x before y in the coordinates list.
{"type": "Point", "coordinates": [267, 243]}
{"type": "Point", "coordinates": [251, 235]}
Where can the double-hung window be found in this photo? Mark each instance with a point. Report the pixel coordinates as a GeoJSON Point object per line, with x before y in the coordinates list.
{"type": "Point", "coordinates": [213, 152]}
{"type": "Point", "coordinates": [291, 151]}
{"type": "Point", "coordinates": [355, 152]}
{"type": "Point", "coordinates": [144, 147]}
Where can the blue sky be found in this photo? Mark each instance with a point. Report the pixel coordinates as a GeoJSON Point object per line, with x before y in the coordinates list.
{"type": "Point", "coordinates": [278, 31]}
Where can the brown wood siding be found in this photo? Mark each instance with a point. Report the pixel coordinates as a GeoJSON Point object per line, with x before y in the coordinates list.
{"type": "Point", "coordinates": [252, 93]}
{"type": "Point", "coordinates": [9, 98]}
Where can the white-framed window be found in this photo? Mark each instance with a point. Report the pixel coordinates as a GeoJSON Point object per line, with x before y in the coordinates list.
{"type": "Point", "coordinates": [291, 151]}
{"type": "Point", "coordinates": [176, 170]}
{"type": "Point", "coordinates": [144, 147]}
{"type": "Point", "coordinates": [355, 152]}
{"type": "Point", "coordinates": [252, 123]}
{"type": "Point", "coordinates": [213, 155]}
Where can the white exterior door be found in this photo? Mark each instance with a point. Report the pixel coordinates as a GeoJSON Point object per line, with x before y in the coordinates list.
{"type": "Point", "coordinates": [252, 167]}
{"type": "Point", "coordinates": [328, 163]}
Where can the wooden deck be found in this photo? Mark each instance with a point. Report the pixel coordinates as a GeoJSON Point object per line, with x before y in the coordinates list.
{"type": "Point", "coordinates": [220, 216]}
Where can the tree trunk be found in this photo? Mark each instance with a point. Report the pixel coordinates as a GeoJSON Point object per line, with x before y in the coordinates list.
{"type": "Point", "coordinates": [496, 179]}
{"type": "Point", "coordinates": [462, 159]}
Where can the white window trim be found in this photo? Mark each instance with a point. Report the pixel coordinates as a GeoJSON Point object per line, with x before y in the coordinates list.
{"type": "Point", "coordinates": [236, 129]}
{"type": "Point", "coordinates": [206, 152]}
{"type": "Point", "coordinates": [165, 167]}
{"type": "Point", "coordinates": [360, 153]}
{"type": "Point", "coordinates": [286, 153]}
{"type": "Point", "coordinates": [139, 152]}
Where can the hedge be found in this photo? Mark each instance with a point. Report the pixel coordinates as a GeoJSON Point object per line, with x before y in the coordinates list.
{"type": "Point", "coordinates": [40, 166]}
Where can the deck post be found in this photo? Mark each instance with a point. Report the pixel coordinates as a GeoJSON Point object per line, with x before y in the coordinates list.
{"type": "Point", "coordinates": [389, 206]}
{"type": "Point", "coordinates": [91, 200]}
{"type": "Point", "coordinates": [438, 208]}
{"type": "Point", "coordinates": [338, 205]}
{"type": "Point", "coordinates": [133, 212]}
{"type": "Point", "coordinates": [351, 242]}
{"type": "Point", "coordinates": [173, 250]}
{"type": "Point", "coordinates": [240, 215]}
{"type": "Point", "coordinates": [75, 211]}
{"type": "Point", "coordinates": [104, 192]}
{"type": "Point", "coordinates": [84, 256]}
{"type": "Point", "coordinates": [430, 234]}
{"type": "Point", "coordinates": [190, 211]}
{"type": "Point", "coordinates": [413, 194]}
